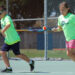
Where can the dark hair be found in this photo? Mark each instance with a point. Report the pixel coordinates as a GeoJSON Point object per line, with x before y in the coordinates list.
{"type": "Point", "coordinates": [2, 8]}
{"type": "Point", "coordinates": [65, 4]}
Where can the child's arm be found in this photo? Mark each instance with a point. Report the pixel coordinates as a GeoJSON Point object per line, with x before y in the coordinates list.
{"type": "Point", "coordinates": [58, 29]}
{"type": "Point", "coordinates": [4, 29]}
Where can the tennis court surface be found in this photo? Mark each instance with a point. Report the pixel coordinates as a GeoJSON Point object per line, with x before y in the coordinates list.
{"type": "Point", "coordinates": [41, 68]}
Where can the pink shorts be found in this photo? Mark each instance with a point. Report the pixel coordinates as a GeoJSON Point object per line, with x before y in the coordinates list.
{"type": "Point", "coordinates": [70, 44]}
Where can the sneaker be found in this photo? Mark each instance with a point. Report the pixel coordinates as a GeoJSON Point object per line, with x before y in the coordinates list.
{"type": "Point", "coordinates": [32, 66]}
{"type": "Point", "coordinates": [7, 70]}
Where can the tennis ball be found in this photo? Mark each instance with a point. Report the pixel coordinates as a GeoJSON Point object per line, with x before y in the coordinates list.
{"type": "Point", "coordinates": [44, 28]}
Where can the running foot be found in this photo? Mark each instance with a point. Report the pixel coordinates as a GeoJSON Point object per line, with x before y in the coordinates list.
{"type": "Point", "coordinates": [32, 66]}
{"type": "Point", "coordinates": [7, 70]}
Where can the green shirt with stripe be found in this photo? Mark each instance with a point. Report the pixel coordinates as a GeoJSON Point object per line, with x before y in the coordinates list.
{"type": "Point", "coordinates": [68, 25]}
{"type": "Point", "coordinates": [12, 36]}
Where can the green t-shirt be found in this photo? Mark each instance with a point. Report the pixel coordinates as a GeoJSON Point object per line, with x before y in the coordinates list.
{"type": "Point", "coordinates": [68, 25]}
{"type": "Point", "coordinates": [11, 34]}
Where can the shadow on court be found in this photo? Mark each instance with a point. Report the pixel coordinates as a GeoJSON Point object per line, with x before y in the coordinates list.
{"type": "Point", "coordinates": [41, 67]}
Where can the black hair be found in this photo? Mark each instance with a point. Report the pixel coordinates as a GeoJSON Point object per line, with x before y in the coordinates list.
{"type": "Point", "coordinates": [65, 4]}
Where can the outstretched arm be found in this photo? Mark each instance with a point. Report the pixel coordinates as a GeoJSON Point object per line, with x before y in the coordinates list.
{"type": "Point", "coordinates": [58, 29]}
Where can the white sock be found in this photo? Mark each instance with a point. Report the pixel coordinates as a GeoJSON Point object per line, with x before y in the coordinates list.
{"type": "Point", "coordinates": [9, 68]}
{"type": "Point", "coordinates": [30, 62]}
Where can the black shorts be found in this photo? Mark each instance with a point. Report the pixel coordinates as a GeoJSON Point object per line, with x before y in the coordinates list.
{"type": "Point", "coordinates": [15, 48]}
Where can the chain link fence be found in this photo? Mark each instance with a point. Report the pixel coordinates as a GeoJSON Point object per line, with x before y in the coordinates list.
{"type": "Point", "coordinates": [30, 14]}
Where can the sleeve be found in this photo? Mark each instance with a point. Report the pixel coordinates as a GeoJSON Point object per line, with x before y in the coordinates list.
{"type": "Point", "coordinates": [7, 20]}
{"type": "Point", "coordinates": [73, 19]}
{"type": "Point", "coordinates": [59, 21]}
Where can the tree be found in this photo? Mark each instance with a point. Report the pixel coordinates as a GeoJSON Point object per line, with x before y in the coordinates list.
{"type": "Point", "coordinates": [26, 9]}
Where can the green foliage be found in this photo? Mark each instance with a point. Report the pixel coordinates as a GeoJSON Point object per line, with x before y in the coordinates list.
{"type": "Point", "coordinates": [2, 2]}
{"type": "Point", "coordinates": [26, 9]}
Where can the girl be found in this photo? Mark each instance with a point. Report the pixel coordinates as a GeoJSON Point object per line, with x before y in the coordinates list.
{"type": "Point", "coordinates": [66, 23]}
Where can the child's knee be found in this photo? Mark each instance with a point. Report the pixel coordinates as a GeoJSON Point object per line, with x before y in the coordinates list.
{"type": "Point", "coordinates": [2, 52]}
{"type": "Point", "coordinates": [69, 53]}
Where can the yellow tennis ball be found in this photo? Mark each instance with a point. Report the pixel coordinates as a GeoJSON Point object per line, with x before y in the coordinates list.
{"type": "Point", "coordinates": [44, 28]}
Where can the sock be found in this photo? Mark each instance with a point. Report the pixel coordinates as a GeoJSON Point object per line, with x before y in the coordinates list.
{"type": "Point", "coordinates": [9, 68]}
{"type": "Point", "coordinates": [30, 62]}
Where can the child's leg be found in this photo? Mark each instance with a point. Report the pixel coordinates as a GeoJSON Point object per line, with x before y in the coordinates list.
{"type": "Point", "coordinates": [71, 49]}
{"type": "Point", "coordinates": [24, 57]}
{"type": "Point", "coordinates": [5, 49]}
{"type": "Point", "coordinates": [5, 58]}
{"type": "Point", "coordinates": [71, 53]}
{"type": "Point", "coordinates": [16, 51]}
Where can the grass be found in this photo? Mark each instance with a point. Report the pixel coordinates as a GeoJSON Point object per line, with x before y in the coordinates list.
{"type": "Point", "coordinates": [32, 53]}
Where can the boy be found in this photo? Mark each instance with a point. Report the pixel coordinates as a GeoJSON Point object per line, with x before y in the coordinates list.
{"type": "Point", "coordinates": [12, 40]}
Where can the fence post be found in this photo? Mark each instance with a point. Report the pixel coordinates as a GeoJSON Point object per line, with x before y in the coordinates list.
{"type": "Point", "coordinates": [7, 9]}
{"type": "Point", "coordinates": [45, 32]}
